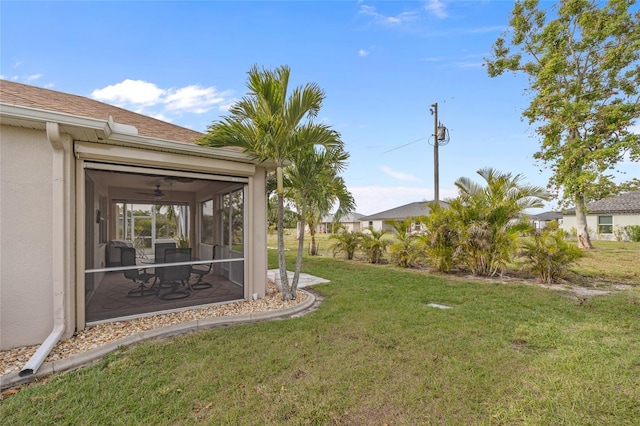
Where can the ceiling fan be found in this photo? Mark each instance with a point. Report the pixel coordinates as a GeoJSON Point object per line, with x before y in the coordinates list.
{"type": "Point", "coordinates": [157, 193]}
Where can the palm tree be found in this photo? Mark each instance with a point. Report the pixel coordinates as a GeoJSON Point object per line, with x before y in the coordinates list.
{"type": "Point", "coordinates": [403, 251]}
{"type": "Point", "coordinates": [373, 244]}
{"type": "Point", "coordinates": [273, 124]}
{"type": "Point", "coordinates": [488, 216]}
{"type": "Point", "coordinates": [347, 242]}
{"type": "Point", "coordinates": [313, 185]}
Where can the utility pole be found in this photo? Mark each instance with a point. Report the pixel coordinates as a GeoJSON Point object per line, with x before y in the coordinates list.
{"type": "Point", "coordinates": [440, 137]}
{"type": "Point", "coordinates": [436, 174]}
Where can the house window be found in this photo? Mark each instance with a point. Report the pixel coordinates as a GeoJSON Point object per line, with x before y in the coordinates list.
{"type": "Point", "coordinates": [605, 224]}
{"type": "Point", "coordinates": [206, 231]}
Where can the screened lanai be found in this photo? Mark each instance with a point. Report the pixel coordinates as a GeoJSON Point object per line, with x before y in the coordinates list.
{"type": "Point", "coordinates": [159, 240]}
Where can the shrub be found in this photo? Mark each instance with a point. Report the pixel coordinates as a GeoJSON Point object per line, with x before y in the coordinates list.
{"type": "Point", "coordinates": [346, 242]}
{"type": "Point", "coordinates": [552, 225]}
{"type": "Point", "coordinates": [373, 245]}
{"type": "Point", "coordinates": [404, 253]}
{"type": "Point", "coordinates": [441, 238]}
{"type": "Point", "coordinates": [549, 254]}
{"type": "Point", "coordinates": [633, 232]}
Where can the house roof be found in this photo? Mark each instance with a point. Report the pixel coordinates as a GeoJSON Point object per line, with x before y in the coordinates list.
{"type": "Point", "coordinates": [623, 203]}
{"type": "Point", "coordinates": [547, 216]}
{"type": "Point", "coordinates": [351, 217]}
{"type": "Point", "coordinates": [415, 209]}
{"type": "Point", "coordinates": [12, 93]}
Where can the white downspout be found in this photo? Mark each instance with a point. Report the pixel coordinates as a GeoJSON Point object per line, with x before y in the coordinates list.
{"type": "Point", "coordinates": [58, 235]}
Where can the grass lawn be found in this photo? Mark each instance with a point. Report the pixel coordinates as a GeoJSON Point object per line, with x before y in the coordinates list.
{"type": "Point", "coordinates": [373, 353]}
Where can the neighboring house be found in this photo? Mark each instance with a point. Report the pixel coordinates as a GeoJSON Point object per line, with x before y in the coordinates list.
{"type": "Point", "coordinates": [75, 177]}
{"type": "Point", "coordinates": [607, 218]}
{"type": "Point", "coordinates": [540, 221]}
{"type": "Point", "coordinates": [350, 222]}
{"type": "Point", "coordinates": [412, 210]}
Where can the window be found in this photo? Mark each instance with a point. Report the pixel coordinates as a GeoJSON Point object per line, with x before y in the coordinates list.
{"type": "Point", "coordinates": [233, 219]}
{"type": "Point", "coordinates": [206, 232]}
{"type": "Point", "coordinates": [605, 224]}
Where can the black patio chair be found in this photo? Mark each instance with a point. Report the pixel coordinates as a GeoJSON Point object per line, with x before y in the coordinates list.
{"type": "Point", "coordinates": [175, 277]}
{"type": "Point", "coordinates": [141, 278]}
{"type": "Point", "coordinates": [203, 270]}
{"type": "Point", "coordinates": [159, 251]}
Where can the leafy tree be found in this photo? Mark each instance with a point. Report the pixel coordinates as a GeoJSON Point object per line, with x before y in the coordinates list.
{"type": "Point", "coordinates": [346, 242]}
{"type": "Point", "coordinates": [609, 189]}
{"type": "Point", "coordinates": [487, 218]}
{"type": "Point", "coordinates": [584, 73]}
{"type": "Point", "coordinates": [548, 254]}
{"type": "Point", "coordinates": [273, 124]}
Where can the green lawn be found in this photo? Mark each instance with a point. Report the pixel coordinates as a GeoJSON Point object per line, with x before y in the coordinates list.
{"type": "Point", "coordinates": [373, 353]}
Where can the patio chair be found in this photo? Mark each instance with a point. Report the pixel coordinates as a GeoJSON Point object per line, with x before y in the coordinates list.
{"type": "Point", "coordinates": [201, 271]}
{"type": "Point", "coordinates": [159, 251]}
{"type": "Point", "coordinates": [128, 258]}
{"type": "Point", "coordinates": [175, 277]}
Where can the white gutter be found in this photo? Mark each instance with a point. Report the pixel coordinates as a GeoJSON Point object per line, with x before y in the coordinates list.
{"type": "Point", "coordinates": [110, 132]}
{"type": "Point", "coordinates": [58, 234]}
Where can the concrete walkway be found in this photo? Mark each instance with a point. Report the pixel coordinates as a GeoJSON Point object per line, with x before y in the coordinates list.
{"type": "Point", "coordinates": [91, 356]}
{"type": "Point", "coordinates": [304, 280]}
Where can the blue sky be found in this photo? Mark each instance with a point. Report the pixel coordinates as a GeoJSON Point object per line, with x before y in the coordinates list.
{"type": "Point", "coordinates": [381, 63]}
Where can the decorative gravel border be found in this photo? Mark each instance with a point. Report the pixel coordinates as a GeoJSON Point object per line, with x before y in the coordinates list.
{"type": "Point", "coordinates": [93, 343]}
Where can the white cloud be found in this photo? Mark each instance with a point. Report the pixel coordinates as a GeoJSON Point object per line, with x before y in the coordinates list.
{"type": "Point", "coordinates": [195, 99]}
{"type": "Point", "coordinates": [436, 7]}
{"type": "Point", "coordinates": [387, 20]}
{"type": "Point", "coordinates": [147, 98]}
{"type": "Point", "coordinates": [398, 175]}
{"type": "Point", "coordinates": [162, 117]}
{"type": "Point", "coordinates": [130, 92]}
{"type": "Point", "coordinates": [363, 52]}
{"type": "Point", "coordinates": [33, 77]}
{"type": "Point", "coordinates": [375, 199]}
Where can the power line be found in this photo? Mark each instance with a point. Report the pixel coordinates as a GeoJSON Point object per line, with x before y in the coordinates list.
{"type": "Point", "coordinates": [407, 144]}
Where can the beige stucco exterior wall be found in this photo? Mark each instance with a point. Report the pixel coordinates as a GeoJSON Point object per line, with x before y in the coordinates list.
{"type": "Point", "coordinates": [619, 221]}
{"type": "Point", "coordinates": [26, 242]}
{"type": "Point", "coordinates": [28, 256]}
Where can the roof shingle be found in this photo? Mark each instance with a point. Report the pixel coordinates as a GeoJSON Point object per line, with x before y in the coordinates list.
{"type": "Point", "coordinates": [623, 203]}
{"type": "Point", "coordinates": [13, 93]}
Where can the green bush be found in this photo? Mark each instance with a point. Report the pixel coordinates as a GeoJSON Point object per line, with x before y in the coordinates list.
{"type": "Point", "coordinates": [346, 242]}
{"type": "Point", "coordinates": [404, 253]}
{"type": "Point", "coordinates": [373, 245]}
{"type": "Point", "coordinates": [549, 254]}
{"type": "Point", "coordinates": [633, 232]}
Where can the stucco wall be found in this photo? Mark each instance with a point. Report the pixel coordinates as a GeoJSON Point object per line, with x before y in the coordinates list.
{"type": "Point", "coordinates": [619, 221]}
{"type": "Point", "coordinates": [26, 262]}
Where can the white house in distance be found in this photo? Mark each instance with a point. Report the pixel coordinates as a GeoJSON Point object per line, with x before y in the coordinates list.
{"type": "Point", "coordinates": [412, 210]}
{"type": "Point", "coordinates": [350, 222]}
{"type": "Point", "coordinates": [81, 181]}
{"type": "Point", "coordinates": [607, 217]}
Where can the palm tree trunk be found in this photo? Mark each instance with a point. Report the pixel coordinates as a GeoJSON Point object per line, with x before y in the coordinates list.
{"type": "Point", "coordinates": [584, 241]}
{"type": "Point", "coordinates": [281, 259]}
{"type": "Point", "coordinates": [313, 250]}
{"type": "Point", "coordinates": [296, 274]}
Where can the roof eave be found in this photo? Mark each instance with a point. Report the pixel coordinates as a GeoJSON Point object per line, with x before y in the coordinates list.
{"type": "Point", "coordinates": [109, 132]}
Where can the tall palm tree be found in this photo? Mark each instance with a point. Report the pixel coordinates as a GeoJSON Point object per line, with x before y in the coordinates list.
{"type": "Point", "coordinates": [488, 217]}
{"type": "Point", "coordinates": [273, 124]}
{"type": "Point", "coordinates": [312, 183]}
